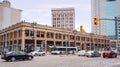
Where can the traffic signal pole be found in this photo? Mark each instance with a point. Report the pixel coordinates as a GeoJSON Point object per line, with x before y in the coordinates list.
{"type": "Point", "coordinates": [96, 22]}
{"type": "Point", "coordinates": [115, 19]}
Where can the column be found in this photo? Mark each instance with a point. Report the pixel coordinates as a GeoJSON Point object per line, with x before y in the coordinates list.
{"type": "Point", "coordinates": [23, 39]}
{"type": "Point", "coordinates": [45, 40]}
{"type": "Point", "coordinates": [54, 40]}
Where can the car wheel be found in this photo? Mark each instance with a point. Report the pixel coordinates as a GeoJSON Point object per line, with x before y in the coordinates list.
{"type": "Point", "coordinates": [35, 54]}
{"type": "Point", "coordinates": [7, 60]}
{"type": "Point", "coordinates": [114, 56]}
{"type": "Point", "coordinates": [43, 54]}
{"type": "Point", "coordinates": [13, 59]}
{"type": "Point", "coordinates": [29, 58]}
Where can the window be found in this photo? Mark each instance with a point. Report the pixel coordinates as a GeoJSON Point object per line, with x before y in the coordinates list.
{"type": "Point", "coordinates": [71, 37]}
{"type": "Point", "coordinates": [31, 33]}
{"type": "Point", "coordinates": [58, 36]}
{"type": "Point", "coordinates": [54, 18]}
{"type": "Point", "coordinates": [26, 32]}
{"type": "Point", "coordinates": [77, 37]}
{"type": "Point", "coordinates": [38, 33]}
{"type": "Point", "coordinates": [48, 35]}
{"type": "Point", "coordinates": [42, 34]}
{"type": "Point", "coordinates": [20, 33]}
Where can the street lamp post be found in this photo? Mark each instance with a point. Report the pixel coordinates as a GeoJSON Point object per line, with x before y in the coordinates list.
{"type": "Point", "coordinates": [33, 34]}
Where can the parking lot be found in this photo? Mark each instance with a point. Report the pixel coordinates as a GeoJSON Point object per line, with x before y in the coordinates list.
{"type": "Point", "coordinates": [64, 61]}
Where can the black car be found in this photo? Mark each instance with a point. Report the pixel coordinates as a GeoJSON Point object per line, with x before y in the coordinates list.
{"type": "Point", "coordinates": [16, 55]}
{"type": "Point", "coordinates": [0, 52]}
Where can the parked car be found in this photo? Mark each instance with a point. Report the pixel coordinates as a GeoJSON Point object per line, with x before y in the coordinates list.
{"type": "Point", "coordinates": [92, 54]}
{"type": "Point", "coordinates": [0, 52]}
{"type": "Point", "coordinates": [116, 51]}
{"type": "Point", "coordinates": [81, 53]}
{"type": "Point", "coordinates": [16, 55]}
{"type": "Point", "coordinates": [109, 54]}
{"type": "Point", "coordinates": [55, 52]}
{"type": "Point", "coordinates": [38, 52]}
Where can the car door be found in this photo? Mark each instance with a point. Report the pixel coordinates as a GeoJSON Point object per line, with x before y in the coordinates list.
{"type": "Point", "coordinates": [22, 55]}
{"type": "Point", "coordinates": [15, 55]}
{"type": "Point", "coordinates": [97, 53]}
{"type": "Point", "coordinates": [39, 52]}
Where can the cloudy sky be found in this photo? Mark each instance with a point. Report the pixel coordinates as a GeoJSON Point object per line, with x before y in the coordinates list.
{"type": "Point", "coordinates": [40, 10]}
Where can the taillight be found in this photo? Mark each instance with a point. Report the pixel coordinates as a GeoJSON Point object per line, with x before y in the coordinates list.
{"type": "Point", "coordinates": [6, 55]}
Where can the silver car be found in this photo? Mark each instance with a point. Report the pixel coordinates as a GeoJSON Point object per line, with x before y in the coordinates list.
{"type": "Point", "coordinates": [93, 54]}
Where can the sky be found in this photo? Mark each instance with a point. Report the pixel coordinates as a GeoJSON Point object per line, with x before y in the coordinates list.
{"type": "Point", "coordinates": [40, 11]}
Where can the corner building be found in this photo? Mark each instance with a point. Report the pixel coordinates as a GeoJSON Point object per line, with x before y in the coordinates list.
{"type": "Point", "coordinates": [20, 36]}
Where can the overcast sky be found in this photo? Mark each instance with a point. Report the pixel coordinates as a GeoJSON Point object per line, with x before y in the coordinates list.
{"type": "Point", "coordinates": [40, 10]}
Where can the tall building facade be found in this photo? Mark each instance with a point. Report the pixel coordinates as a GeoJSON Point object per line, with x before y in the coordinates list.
{"type": "Point", "coordinates": [106, 10]}
{"type": "Point", "coordinates": [8, 15]}
{"type": "Point", "coordinates": [63, 18]}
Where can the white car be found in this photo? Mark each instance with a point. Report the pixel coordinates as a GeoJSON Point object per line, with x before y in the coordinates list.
{"type": "Point", "coordinates": [38, 52]}
{"type": "Point", "coordinates": [81, 53]}
{"type": "Point", "coordinates": [55, 52]}
{"type": "Point", "coordinates": [116, 51]}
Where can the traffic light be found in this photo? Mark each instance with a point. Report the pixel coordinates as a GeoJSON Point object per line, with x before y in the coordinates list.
{"type": "Point", "coordinates": [96, 21]}
{"type": "Point", "coordinates": [81, 28]}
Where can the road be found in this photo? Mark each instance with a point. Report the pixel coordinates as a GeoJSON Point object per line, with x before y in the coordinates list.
{"type": "Point", "coordinates": [64, 61]}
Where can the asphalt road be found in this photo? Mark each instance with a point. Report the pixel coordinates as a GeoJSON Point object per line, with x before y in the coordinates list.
{"type": "Point", "coordinates": [64, 61]}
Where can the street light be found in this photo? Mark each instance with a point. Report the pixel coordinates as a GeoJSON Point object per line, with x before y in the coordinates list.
{"type": "Point", "coordinates": [33, 32]}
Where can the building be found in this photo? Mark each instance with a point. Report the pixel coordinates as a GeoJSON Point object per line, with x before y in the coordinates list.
{"type": "Point", "coordinates": [29, 36]}
{"type": "Point", "coordinates": [8, 15]}
{"type": "Point", "coordinates": [107, 11]}
{"type": "Point", "coordinates": [63, 18]}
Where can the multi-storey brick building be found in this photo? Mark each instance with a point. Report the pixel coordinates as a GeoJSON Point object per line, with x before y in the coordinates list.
{"type": "Point", "coordinates": [20, 36]}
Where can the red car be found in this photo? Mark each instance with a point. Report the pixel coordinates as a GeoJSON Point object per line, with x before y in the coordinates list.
{"type": "Point", "coordinates": [109, 54]}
